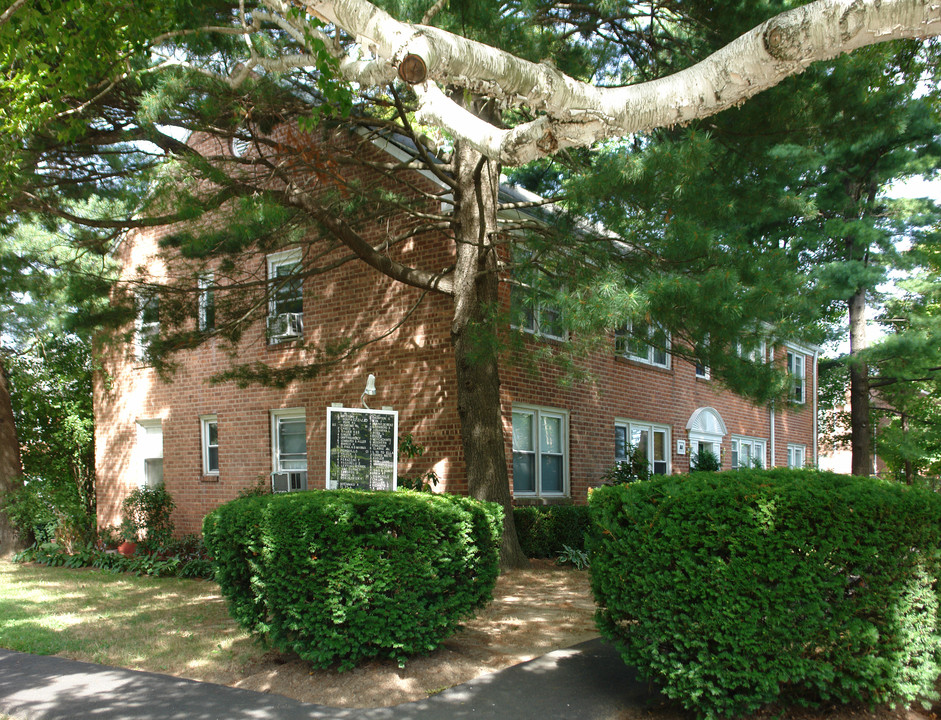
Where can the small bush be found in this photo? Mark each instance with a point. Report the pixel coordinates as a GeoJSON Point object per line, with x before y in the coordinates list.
{"type": "Point", "coordinates": [145, 515]}
{"type": "Point", "coordinates": [744, 588]}
{"type": "Point", "coordinates": [634, 468]}
{"type": "Point", "coordinates": [342, 576]}
{"type": "Point", "coordinates": [545, 530]}
{"type": "Point", "coordinates": [705, 461]}
{"type": "Point", "coordinates": [48, 511]}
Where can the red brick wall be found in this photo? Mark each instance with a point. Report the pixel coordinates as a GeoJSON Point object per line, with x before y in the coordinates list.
{"type": "Point", "coordinates": [624, 389]}
{"type": "Point", "coordinates": [414, 371]}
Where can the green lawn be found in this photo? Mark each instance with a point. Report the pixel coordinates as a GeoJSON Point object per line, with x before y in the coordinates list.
{"type": "Point", "coordinates": [167, 625]}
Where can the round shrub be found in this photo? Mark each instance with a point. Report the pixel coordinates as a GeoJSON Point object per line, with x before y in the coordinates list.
{"type": "Point", "coordinates": [342, 576]}
{"type": "Point", "coordinates": [740, 589]}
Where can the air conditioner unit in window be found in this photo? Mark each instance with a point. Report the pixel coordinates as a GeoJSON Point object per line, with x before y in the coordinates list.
{"type": "Point", "coordinates": [288, 481]}
{"type": "Point", "coordinates": [285, 326]}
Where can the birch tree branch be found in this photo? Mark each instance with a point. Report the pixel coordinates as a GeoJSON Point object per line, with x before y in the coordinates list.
{"type": "Point", "coordinates": [577, 114]}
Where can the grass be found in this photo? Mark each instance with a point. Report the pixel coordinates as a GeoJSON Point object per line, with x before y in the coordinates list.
{"type": "Point", "coordinates": [168, 625]}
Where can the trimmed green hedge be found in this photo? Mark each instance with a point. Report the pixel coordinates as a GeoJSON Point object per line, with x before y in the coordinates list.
{"type": "Point", "coordinates": [544, 530]}
{"type": "Point", "coordinates": [744, 588]}
{"type": "Point", "coordinates": [342, 576]}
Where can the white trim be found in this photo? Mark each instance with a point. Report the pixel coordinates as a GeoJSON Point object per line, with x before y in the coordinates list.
{"type": "Point", "coordinates": [283, 257]}
{"type": "Point", "coordinates": [816, 440]}
{"type": "Point", "coordinates": [144, 332]}
{"type": "Point", "coordinates": [205, 298]}
{"type": "Point", "coordinates": [706, 427]}
{"type": "Point", "coordinates": [274, 261]}
{"type": "Point", "coordinates": [537, 309]}
{"type": "Point", "coordinates": [800, 376]}
{"type": "Point", "coordinates": [794, 449]}
{"type": "Point", "coordinates": [537, 412]}
{"type": "Point", "coordinates": [707, 421]}
{"type": "Point", "coordinates": [285, 414]}
{"type": "Point", "coordinates": [623, 335]}
{"type": "Point", "coordinates": [758, 354]}
{"type": "Point", "coordinates": [771, 420]}
{"type": "Point", "coordinates": [394, 414]}
{"type": "Point", "coordinates": [149, 447]}
{"type": "Point", "coordinates": [204, 422]}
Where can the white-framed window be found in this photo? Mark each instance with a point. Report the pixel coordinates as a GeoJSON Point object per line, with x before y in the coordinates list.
{"type": "Point", "coordinates": [288, 450]}
{"type": "Point", "coordinates": [796, 456]}
{"type": "Point", "coordinates": [286, 296]}
{"type": "Point", "coordinates": [536, 316]}
{"type": "Point", "coordinates": [209, 431]}
{"type": "Point", "coordinates": [530, 310]}
{"type": "Point", "coordinates": [150, 453]}
{"type": "Point", "coordinates": [796, 368]}
{"type": "Point", "coordinates": [649, 344]}
{"type": "Point", "coordinates": [754, 353]}
{"type": "Point", "coordinates": [206, 302]}
{"type": "Point", "coordinates": [651, 440]}
{"type": "Point", "coordinates": [702, 369]}
{"type": "Point", "coordinates": [540, 452]}
{"type": "Point", "coordinates": [748, 452]}
{"type": "Point", "coordinates": [147, 325]}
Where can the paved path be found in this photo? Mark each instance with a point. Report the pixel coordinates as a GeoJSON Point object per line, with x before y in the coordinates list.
{"type": "Point", "coordinates": [586, 682]}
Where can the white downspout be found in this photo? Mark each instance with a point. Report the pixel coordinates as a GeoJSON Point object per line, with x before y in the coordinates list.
{"type": "Point", "coordinates": [816, 458]}
{"type": "Point", "coordinates": [771, 413]}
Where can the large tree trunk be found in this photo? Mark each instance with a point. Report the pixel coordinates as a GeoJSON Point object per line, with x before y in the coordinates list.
{"type": "Point", "coordinates": [860, 431]}
{"type": "Point", "coordinates": [473, 329]}
{"type": "Point", "coordinates": [10, 464]}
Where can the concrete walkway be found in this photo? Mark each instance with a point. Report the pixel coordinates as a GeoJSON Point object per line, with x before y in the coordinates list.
{"type": "Point", "coordinates": [586, 682]}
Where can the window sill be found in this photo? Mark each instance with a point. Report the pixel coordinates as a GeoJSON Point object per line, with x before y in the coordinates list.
{"type": "Point", "coordinates": [643, 364]}
{"type": "Point", "coordinates": [526, 500]}
{"type": "Point", "coordinates": [537, 335]}
{"type": "Point", "coordinates": [209, 478]}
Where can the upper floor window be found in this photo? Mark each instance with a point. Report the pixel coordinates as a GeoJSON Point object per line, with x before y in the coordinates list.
{"type": "Point", "coordinates": [796, 368]}
{"type": "Point", "coordinates": [648, 344]}
{"type": "Point", "coordinates": [702, 369]}
{"type": "Point", "coordinates": [747, 453]}
{"type": "Point", "coordinates": [651, 442]}
{"type": "Point", "coordinates": [536, 316]}
{"type": "Point", "coordinates": [530, 309]}
{"type": "Point", "coordinates": [147, 324]}
{"type": "Point", "coordinates": [754, 353]}
{"type": "Point", "coordinates": [540, 451]}
{"type": "Point", "coordinates": [206, 303]}
{"type": "Point", "coordinates": [286, 296]}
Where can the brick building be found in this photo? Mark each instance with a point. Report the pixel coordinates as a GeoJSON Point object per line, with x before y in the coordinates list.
{"type": "Point", "coordinates": [207, 442]}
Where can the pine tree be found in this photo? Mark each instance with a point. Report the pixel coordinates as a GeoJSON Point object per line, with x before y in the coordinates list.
{"type": "Point", "coordinates": [226, 72]}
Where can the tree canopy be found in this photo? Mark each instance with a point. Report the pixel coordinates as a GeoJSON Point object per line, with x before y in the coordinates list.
{"type": "Point", "coordinates": [121, 115]}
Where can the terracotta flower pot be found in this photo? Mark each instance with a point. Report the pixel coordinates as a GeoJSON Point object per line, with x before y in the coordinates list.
{"type": "Point", "coordinates": [127, 548]}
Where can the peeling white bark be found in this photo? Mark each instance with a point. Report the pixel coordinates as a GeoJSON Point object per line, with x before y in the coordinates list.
{"type": "Point", "coordinates": [579, 114]}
